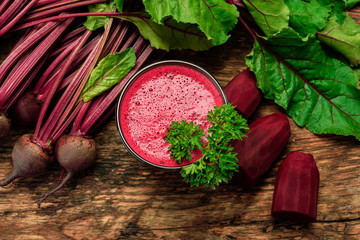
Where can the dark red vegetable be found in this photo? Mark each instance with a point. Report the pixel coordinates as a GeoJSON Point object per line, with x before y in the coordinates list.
{"type": "Point", "coordinates": [74, 154]}
{"type": "Point", "coordinates": [5, 126]}
{"type": "Point", "coordinates": [77, 151]}
{"type": "Point", "coordinates": [28, 159]}
{"type": "Point", "coordinates": [256, 153]}
{"type": "Point", "coordinates": [26, 110]}
{"type": "Point", "coordinates": [243, 93]}
{"type": "Point", "coordinates": [296, 189]}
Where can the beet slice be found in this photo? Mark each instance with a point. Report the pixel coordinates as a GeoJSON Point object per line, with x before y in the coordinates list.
{"type": "Point", "coordinates": [296, 189]}
{"type": "Point", "coordinates": [243, 93]}
{"type": "Point", "coordinates": [256, 153]}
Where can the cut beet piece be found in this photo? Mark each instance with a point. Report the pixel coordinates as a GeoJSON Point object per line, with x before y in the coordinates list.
{"type": "Point", "coordinates": [242, 92]}
{"type": "Point", "coordinates": [296, 189]}
{"type": "Point", "coordinates": [256, 153]}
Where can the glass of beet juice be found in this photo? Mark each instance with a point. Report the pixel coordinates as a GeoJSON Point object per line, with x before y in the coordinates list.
{"type": "Point", "coordinates": [156, 96]}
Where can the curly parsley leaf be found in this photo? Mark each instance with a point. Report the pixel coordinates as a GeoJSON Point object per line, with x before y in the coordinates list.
{"type": "Point", "coordinates": [218, 162]}
{"type": "Point", "coordinates": [183, 137]}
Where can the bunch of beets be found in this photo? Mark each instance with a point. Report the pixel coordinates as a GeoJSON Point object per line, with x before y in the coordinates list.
{"type": "Point", "coordinates": [42, 78]}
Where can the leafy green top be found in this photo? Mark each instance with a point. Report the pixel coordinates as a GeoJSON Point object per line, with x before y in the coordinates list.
{"type": "Point", "coordinates": [309, 62]}
{"type": "Point", "coordinates": [174, 24]}
{"type": "Point", "coordinates": [218, 162]}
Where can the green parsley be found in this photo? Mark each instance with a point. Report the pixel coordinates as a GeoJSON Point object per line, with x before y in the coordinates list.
{"type": "Point", "coordinates": [218, 162]}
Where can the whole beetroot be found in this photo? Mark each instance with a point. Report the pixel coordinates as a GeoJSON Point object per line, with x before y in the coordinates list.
{"type": "Point", "coordinates": [5, 126]}
{"type": "Point", "coordinates": [26, 110]}
{"type": "Point", "coordinates": [243, 93]}
{"type": "Point", "coordinates": [74, 154]}
{"type": "Point", "coordinates": [266, 139]}
{"type": "Point", "coordinates": [28, 159]}
{"type": "Point", "coordinates": [296, 189]}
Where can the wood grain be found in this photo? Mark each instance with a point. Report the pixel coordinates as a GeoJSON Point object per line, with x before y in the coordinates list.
{"type": "Point", "coordinates": [121, 198]}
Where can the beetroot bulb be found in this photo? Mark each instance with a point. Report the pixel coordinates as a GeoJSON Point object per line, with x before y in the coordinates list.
{"type": "Point", "coordinates": [5, 126]}
{"type": "Point", "coordinates": [266, 139]}
{"type": "Point", "coordinates": [76, 151]}
{"type": "Point", "coordinates": [74, 154]}
{"type": "Point", "coordinates": [243, 93]}
{"type": "Point", "coordinates": [296, 189]}
{"type": "Point", "coordinates": [26, 110]}
{"type": "Point", "coordinates": [28, 159]}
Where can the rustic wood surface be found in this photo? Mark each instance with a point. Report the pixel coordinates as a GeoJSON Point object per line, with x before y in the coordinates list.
{"type": "Point", "coordinates": [121, 198]}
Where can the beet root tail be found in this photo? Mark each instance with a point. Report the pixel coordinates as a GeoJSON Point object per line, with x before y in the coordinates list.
{"type": "Point", "coordinates": [68, 176]}
{"type": "Point", "coordinates": [9, 179]}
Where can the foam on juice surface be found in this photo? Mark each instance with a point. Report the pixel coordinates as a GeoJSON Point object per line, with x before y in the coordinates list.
{"type": "Point", "coordinates": [160, 96]}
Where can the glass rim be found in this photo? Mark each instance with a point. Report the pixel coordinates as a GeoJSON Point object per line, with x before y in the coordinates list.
{"type": "Point", "coordinates": [133, 78]}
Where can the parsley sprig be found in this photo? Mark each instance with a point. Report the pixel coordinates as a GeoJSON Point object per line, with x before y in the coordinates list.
{"type": "Point", "coordinates": [218, 162]}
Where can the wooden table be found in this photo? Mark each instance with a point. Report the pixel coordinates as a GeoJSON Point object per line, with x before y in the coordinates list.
{"type": "Point", "coordinates": [121, 198]}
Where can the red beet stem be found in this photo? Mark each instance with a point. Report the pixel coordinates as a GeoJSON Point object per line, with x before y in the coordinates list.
{"type": "Point", "coordinates": [58, 9]}
{"type": "Point", "coordinates": [69, 98]}
{"type": "Point", "coordinates": [11, 11]}
{"type": "Point", "coordinates": [12, 84]}
{"type": "Point", "coordinates": [80, 57]}
{"type": "Point", "coordinates": [67, 40]}
{"type": "Point", "coordinates": [97, 55]}
{"type": "Point", "coordinates": [45, 76]}
{"type": "Point", "coordinates": [57, 82]}
{"type": "Point", "coordinates": [44, 2]}
{"type": "Point", "coordinates": [67, 122]}
{"type": "Point", "coordinates": [24, 86]}
{"type": "Point", "coordinates": [25, 46]}
{"type": "Point", "coordinates": [52, 4]}
{"type": "Point", "coordinates": [16, 19]}
{"type": "Point", "coordinates": [69, 15]}
{"type": "Point", "coordinates": [3, 5]}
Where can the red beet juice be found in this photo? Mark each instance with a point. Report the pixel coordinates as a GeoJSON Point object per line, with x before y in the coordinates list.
{"type": "Point", "coordinates": [157, 95]}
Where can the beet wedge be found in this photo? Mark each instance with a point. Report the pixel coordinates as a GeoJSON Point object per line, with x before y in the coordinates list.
{"type": "Point", "coordinates": [243, 93]}
{"type": "Point", "coordinates": [296, 189]}
{"type": "Point", "coordinates": [256, 153]}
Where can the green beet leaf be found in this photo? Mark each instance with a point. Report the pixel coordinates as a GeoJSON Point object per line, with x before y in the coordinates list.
{"type": "Point", "coordinates": [119, 5]}
{"type": "Point", "coordinates": [95, 22]}
{"type": "Point", "coordinates": [338, 8]}
{"type": "Point", "coordinates": [215, 18]}
{"type": "Point", "coordinates": [169, 35]}
{"type": "Point", "coordinates": [270, 16]}
{"type": "Point", "coordinates": [345, 38]}
{"type": "Point", "coordinates": [308, 16]}
{"type": "Point", "coordinates": [351, 3]}
{"type": "Point", "coordinates": [110, 71]}
{"type": "Point", "coordinates": [318, 92]}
